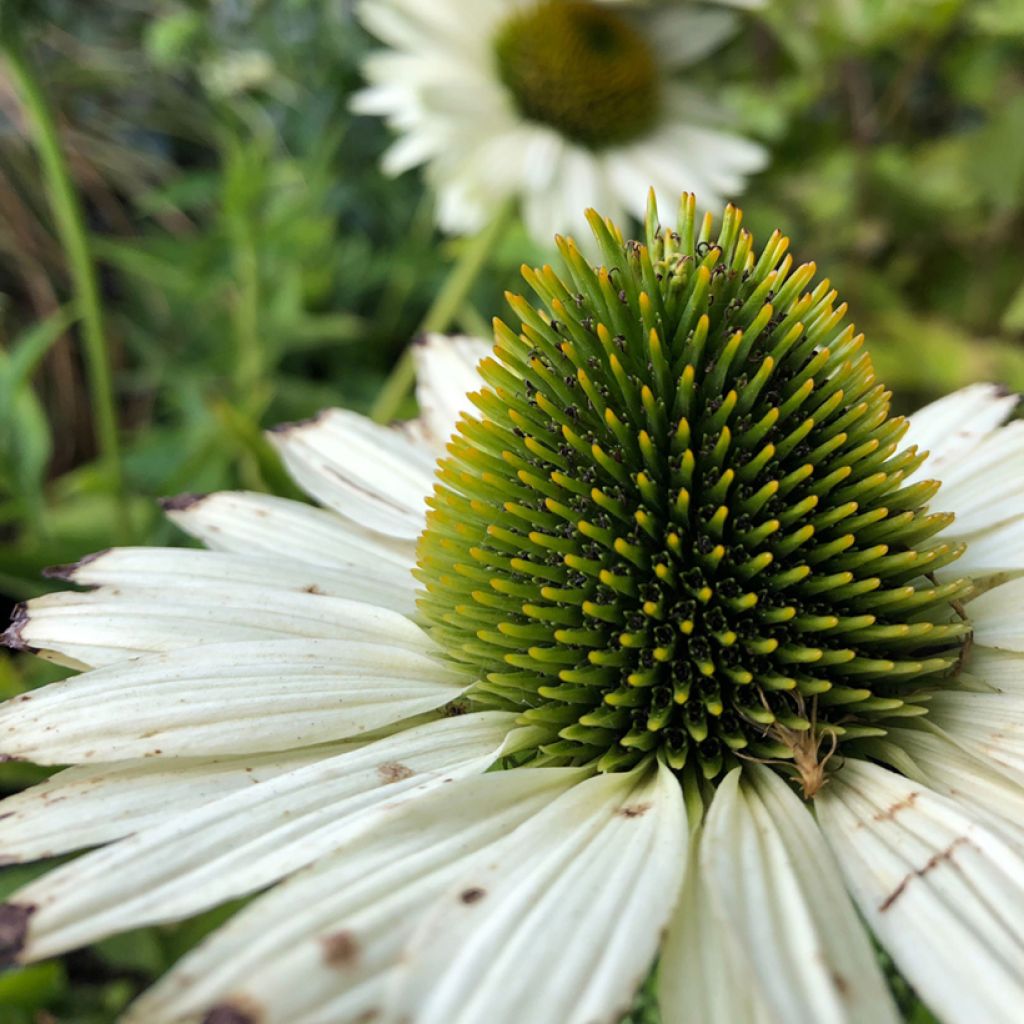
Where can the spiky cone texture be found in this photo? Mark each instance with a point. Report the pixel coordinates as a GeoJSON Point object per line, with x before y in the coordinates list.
{"type": "Point", "coordinates": [682, 522]}
{"type": "Point", "coordinates": [275, 717]}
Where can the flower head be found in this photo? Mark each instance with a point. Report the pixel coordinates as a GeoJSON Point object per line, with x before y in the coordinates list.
{"type": "Point", "coordinates": [556, 103]}
{"type": "Point", "coordinates": [678, 579]}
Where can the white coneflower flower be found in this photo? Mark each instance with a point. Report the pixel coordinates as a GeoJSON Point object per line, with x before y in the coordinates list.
{"type": "Point", "coordinates": [751, 700]}
{"type": "Point", "coordinates": [557, 103]}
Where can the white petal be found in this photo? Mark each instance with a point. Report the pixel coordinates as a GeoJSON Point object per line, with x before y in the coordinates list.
{"type": "Point", "coordinates": [942, 892]}
{"type": "Point", "coordinates": [251, 838]}
{"type": "Point", "coordinates": [697, 977]}
{"type": "Point", "coordinates": [110, 624]}
{"type": "Point", "coordinates": [985, 485]}
{"type": "Point", "coordinates": [989, 725]}
{"type": "Point", "coordinates": [683, 36]}
{"type": "Point", "coordinates": [253, 524]}
{"type": "Point", "coordinates": [952, 426]}
{"type": "Point", "coordinates": [446, 371]}
{"type": "Point", "coordinates": [89, 805]}
{"type": "Point", "coordinates": [591, 881]}
{"type": "Point", "coordinates": [998, 617]}
{"type": "Point", "coordinates": [775, 886]}
{"type": "Point", "coordinates": [385, 584]}
{"type": "Point", "coordinates": [1003, 670]}
{"type": "Point", "coordinates": [358, 908]}
{"type": "Point", "coordinates": [366, 472]}
{"type": "Point", "coordinates": [943, 766]}
{"type": "Point", "coordinates": [236, 698]}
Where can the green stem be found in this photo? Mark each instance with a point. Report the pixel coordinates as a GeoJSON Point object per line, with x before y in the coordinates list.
{"type": "Point", "coordinates": [70, 223]}
{"type": "Point", "coordinates": [443, 310]}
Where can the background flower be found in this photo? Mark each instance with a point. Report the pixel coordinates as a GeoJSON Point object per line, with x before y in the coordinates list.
{"type": "Point", "coordinates": [558, 105]}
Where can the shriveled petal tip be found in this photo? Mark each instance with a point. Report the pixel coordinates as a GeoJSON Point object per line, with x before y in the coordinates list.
{"type": "Point", "coordinates": [942, 891]}
{"type": "Point", "coordinates": [446, 372]}
{"type": "Point", "coordinates": [14, 919]}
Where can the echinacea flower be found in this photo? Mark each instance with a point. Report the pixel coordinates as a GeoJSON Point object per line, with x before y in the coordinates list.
{"type": "Point", "coordinates": [558, 104]}
{"type": "Point", "coordinates": [679, 664]}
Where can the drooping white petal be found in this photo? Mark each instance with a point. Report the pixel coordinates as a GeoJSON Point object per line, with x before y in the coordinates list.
{"type": "Point", "coordinates": [371, 474]}
{"type": "Point", "coordinates": [1003, 670]}
{"type": "Point", "coordinates": [985, 485]}
{"type": "Point", "coordinates": [943, 893]}
{"type": "Point", "coordinates": [341, 925]}
{"type": "Point", "coordinates": [990, 725]}
{"type": "Point", "coordinates": [110, 624]}
{"type": "Point", "coordinates": [774, 885]}
{"type": "Point", "coordinates": [250, 838]}
{"type": "Point", "coordinates": [951, 771]}
{"type": "Point", "coordinates": [169, 569]}
{"type": "Point", "coordinates": [997, 619]}
{"type": "Point", "coordinates": [89, 805]}
{"type": "Point", "coordinates": [953, 426]}
{"type": "Point", "coordinates": [257, 524]}
{"type": "Point", "coordinates": [604, 862]}
{"type": "Point", "coordinates": [235, 698]}
{"type": "Point", "coordinates": [697, 978]}
{"type": "Point", "coordinates": [446, 371]}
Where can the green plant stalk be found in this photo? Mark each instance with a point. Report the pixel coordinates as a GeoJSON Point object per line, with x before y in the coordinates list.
{"type": "Point", "coordinates": [70, 223]}
{"type": "Point", "coordinates": [444, 309]}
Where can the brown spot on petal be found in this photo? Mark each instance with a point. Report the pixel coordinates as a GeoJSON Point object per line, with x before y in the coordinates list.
{"type": "Point", "coordinates": [394, 771]}
{"type": "Point", "coordinates": [473, 895]}
{"type": "Point", "coordinates": [180, 502]}
{"type": "Point", "coordinates": [933, 862]}
{"type": "Point", "coordinates": [634, 810]}
{"type": "Point", "coordinates": [14, 919]}
{"type": "Point", "coordinates": [312, 589]}
{"type": "Point", "coordinates": [890, 812]}
{"type": "Point", "coordinates": [233, 1011]}
{"type": "Point", "coordinates": [340, 949]}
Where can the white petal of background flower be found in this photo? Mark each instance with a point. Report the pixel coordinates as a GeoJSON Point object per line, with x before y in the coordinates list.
{"type": "Point", "coordinates": [439, 89]}
{"type": "Point", "coordinates": [230, 698]}
{"type": "Point", "coordinates": [943, 893]}
{"type": "Point", "coordinates": [251, 838]}
{"type": "Point", "coordinates": [773, 883]}
{"type": "Point", "coordinates": [604, 861]}
{"type": "Point", "coordinates": [341, 926]}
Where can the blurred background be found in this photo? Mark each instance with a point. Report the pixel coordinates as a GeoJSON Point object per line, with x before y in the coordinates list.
{"type": "Point", "coordinates": [253, 265]}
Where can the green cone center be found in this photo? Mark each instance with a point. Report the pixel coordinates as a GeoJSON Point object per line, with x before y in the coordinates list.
{"type": "Point", "coordinates": [680, 521]}
{"type": "Point", "coordinates": [581, 68]}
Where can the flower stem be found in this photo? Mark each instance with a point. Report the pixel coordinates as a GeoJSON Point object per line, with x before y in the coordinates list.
{"type": "Point", "coordinates": [70, 223]}
{"type": "Point", "coordinates": [443, 310]}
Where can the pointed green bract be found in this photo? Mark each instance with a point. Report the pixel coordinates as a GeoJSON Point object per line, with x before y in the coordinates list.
{"type": "Point", "coordinates": [679, 520]}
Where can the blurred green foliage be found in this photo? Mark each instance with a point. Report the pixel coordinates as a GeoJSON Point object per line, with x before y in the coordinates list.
{"type": "Point", "coordinates": [256, 266]}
